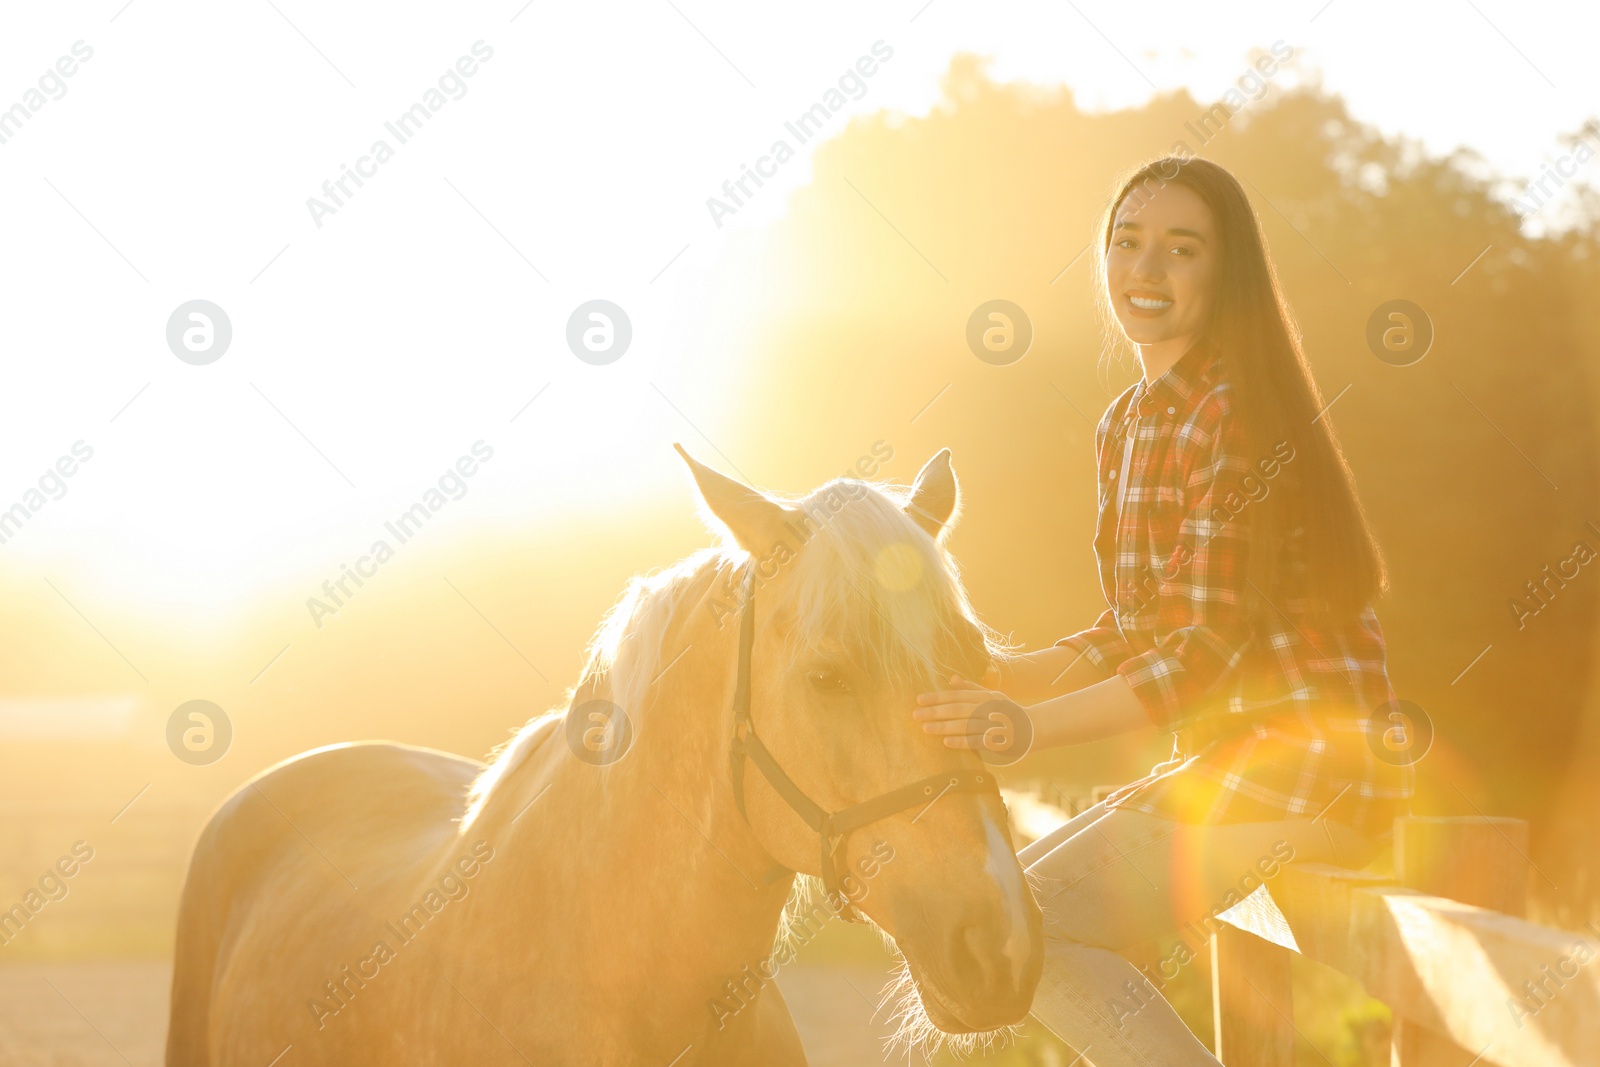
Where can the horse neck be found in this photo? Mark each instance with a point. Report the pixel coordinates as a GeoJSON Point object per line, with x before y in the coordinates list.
{"type": "Point", "coordinates": [657, 834]}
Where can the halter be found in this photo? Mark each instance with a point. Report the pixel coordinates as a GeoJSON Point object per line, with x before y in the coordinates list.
{"type": "Point", "coordinates": [833, 828]}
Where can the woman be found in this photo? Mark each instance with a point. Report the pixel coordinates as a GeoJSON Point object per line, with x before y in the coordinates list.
{"type": "Point", "coordinates": [1241, 572]}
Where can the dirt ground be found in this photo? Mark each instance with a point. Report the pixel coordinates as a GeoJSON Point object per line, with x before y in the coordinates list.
{"type": "Point", "coordinates": [83, 1014]}
{"type": "Point", "coordinates": [114, 1014]}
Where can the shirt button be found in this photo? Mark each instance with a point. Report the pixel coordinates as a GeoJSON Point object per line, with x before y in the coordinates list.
{"type": "Point", "coordinates": [1112, 475]}
{"type": "Point", "coordinates": [1172, 411]}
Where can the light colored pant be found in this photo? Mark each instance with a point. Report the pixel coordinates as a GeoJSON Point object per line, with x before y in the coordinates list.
{"type": "Point", "coordinates": [1109, 880]}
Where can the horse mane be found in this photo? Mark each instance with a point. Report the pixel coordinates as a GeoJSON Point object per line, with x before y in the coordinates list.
{"type": "Point", "coordinates": [625, 650]}
{"type": "Point", "coordinates": [872, 581]}
{"type": "Point", "coordinates": [900, 611]}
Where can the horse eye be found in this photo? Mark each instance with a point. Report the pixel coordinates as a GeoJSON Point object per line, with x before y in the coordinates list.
{"type": "Point", "coordinates": [827, 680]}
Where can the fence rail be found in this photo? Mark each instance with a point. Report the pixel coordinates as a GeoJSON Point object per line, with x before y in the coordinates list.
{"type": "Point", "coordinates": [1443, 943]}
{"type": "Point", "coordinates": [121, 902]}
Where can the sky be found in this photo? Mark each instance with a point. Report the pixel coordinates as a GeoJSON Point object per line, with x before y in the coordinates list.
{"type": "Point", "coordinates": [383, 334]}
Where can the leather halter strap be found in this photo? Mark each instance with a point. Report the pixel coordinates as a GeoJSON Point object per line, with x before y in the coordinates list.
{"type": "Point", "coordinates": [833, 828]}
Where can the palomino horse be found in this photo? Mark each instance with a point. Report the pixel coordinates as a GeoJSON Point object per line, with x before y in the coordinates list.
{"type": "Point", "coordinates": [608, 889]}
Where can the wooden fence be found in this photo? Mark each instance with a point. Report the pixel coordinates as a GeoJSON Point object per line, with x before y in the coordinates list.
{"type": "Point", "coordinates": [1444, 943]}
{"type": "Point", "coordinates": [122, 902]}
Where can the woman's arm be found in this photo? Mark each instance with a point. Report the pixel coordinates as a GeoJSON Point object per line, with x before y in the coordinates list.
{"type": "Point", "coordinates": [1202, 633]}
{"type": "Point", "coordinates": [1044, 673]}
{"type": "Point", "coordinates": [1103, 709]}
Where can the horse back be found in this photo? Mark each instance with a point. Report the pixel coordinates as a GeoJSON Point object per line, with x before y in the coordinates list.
{"type": "Point", "coordinates": [294, 843]}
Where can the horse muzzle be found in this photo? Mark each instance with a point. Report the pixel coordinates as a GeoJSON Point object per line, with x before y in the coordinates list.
{"type": "Point", "coordinates": [978, 972]}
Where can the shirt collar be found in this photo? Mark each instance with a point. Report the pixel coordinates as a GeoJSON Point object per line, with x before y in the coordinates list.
{"type": "Point", "coordinates": [1190, 376]}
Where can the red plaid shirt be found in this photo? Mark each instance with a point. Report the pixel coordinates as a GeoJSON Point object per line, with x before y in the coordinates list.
{"type": "Point", "coordinates": [1269, 710]}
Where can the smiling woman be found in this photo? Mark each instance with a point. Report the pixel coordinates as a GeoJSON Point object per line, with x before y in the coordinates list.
{"type": "Point", "coordinates": [1162, 309]}
{"type": "Point", "coordinates": [1256, 645]}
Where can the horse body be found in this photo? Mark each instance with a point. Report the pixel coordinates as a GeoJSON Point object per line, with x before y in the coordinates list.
{"type": "Point", "coordinates": [277, 936]}
{"type": "Point", "coordinates": [378, 904]}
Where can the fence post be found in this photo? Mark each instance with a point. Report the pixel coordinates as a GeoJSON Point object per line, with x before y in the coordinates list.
{"type": "Point", "coordinates": [1474, 859]}
{"type": "Point", "coordinates": [1252, 1000]}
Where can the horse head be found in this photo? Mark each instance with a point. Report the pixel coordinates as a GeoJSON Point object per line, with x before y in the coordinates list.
{"type": "Point", "coordinates": [860, 608]}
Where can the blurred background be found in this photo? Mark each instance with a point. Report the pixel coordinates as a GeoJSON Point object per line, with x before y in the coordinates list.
{"type": "Point", "coordinates": [1441, 154]}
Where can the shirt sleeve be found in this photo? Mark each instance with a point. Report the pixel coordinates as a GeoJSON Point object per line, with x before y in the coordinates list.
{"type": "Point", "coordinates": [1203, 626]}
{"type": "Point", "coordinates": [1102, 644]}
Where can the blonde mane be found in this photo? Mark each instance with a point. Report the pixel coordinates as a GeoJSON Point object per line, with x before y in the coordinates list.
{"type": "Point", "coordinates": [625, 649]}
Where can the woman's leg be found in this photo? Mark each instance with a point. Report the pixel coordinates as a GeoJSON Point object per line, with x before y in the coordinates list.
{"type": "Point", "coordinates": [1028, 853]}
{"type": "Point", "coordinates": [1127, 877]}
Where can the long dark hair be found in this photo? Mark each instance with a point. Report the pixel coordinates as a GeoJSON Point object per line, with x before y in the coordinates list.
{"type": "Point", "coordinates": [1253, 332]}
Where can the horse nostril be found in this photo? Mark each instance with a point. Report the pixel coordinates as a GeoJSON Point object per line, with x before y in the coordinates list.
{"type": "Point", "coordinates": [975, 957]}
{"type": "Point", "coordinates": [995, 960]}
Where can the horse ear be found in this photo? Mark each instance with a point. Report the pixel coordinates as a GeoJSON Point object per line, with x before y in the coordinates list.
{"type": "Point", "coordinates": [935, 495]}
{"type": "Point", "coordinates": [757, 523]}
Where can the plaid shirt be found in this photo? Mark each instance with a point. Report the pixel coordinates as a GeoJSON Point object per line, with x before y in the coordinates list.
{"type": "Point", "coordinates": [1268, 709]}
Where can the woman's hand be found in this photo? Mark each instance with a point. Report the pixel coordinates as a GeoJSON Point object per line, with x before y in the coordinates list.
{"type": "Point", "coordinates": [953, 713]}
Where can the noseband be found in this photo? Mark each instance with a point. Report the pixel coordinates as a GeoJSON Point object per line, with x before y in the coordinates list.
{"type": "Point", "coordinates": [833, 828]}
